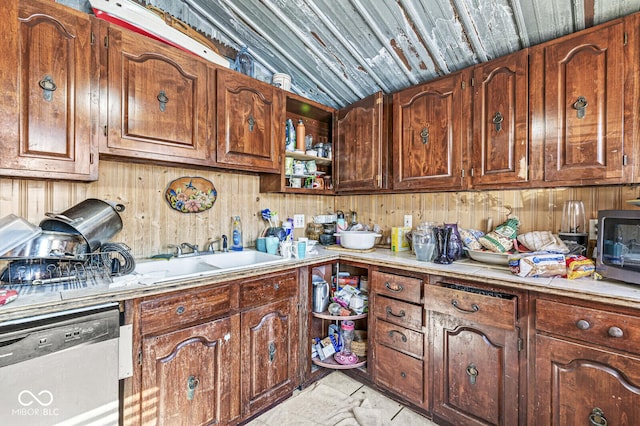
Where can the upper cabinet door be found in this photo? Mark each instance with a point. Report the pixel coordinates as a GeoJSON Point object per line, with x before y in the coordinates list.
{"type": "Point", "coordinates": [49, 80]}
{"type": "Point", "coordinates": [427, 126]}
{"type": "Point", "coordinates": [157, 101]}
{"type": "Point", "coordinates": [500, 107]}
{"type": "Point", "coordinates": [250, 122]}
{"type": "Point", "coordinates": [362, 145]}
{"type": "Point", "coordinates": [584, 98]}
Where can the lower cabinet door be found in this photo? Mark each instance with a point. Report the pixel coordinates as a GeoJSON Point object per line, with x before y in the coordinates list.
{"type": "Point", "coordinates": [400, 373]}
{"type": "Point", "coordinates": [475, 373]}
{"type": "Point", "coordinates": [582, 385]}
{"type": "Point", "coordinates": [188, 374]}
{"type": "Point", "coordinates": [269, 354]}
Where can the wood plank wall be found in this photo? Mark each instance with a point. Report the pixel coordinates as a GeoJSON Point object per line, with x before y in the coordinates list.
{"type": "Point", "coordinates": [150, 224]}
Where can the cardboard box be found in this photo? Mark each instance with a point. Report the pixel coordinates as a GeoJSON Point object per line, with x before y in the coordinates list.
{"type": "Point", "coordinates": [399, 240]}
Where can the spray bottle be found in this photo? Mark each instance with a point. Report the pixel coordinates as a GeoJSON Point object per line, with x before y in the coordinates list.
{"type": "Point", "coordinates": [236, 234]}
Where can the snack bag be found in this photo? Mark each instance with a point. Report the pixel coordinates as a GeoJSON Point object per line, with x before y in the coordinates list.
{"type": "Point", "coordinates": [500, 240]}
{"type": "Point", "coordinates": [579, 266]}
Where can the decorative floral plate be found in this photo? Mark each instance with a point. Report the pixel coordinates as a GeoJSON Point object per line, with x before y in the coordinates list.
{"type": "Point", "coordinates": [191, 194]}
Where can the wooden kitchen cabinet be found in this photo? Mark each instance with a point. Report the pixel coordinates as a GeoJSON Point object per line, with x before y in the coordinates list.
{"type": "Point", "coordinates": [159, 100]}
{"type": "Point", "coordinates": [500, 145]}
{"type": "Point", "coordinates": [430, 132]}
{"type": "Point", "coordinates": [269, 340]}
{"type": "Point", "coordinates": [581, 78]}
{"type": "Point", "coordinates": [250, 123]}
{"type": "Point", "coordinates": [49, 82]}
{"type": "Point", "coordinates": [400, 362]}
{"type": "Point", "coordinates": [587, 365]}
{"type": "Point", "coordinates": [361, 145]}
{"type": "Point", "coordinates": [186, 377]}
{"type": "Point", "coordinates": [477, 348]}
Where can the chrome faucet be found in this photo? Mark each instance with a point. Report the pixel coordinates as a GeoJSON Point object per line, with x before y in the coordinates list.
{"type": "Point", "coordinates": [193, 247]}
{"type": "Point", "coordinates": [225, 247]}
{"type": "Point", "coordinates": [178, 251]}
{"type": "Point", "coordinates": [210, 244]}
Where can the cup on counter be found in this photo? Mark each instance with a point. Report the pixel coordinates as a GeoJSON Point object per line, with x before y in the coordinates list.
{"type": "Point", "coordinates": [286, 249]}
{"type": "Point", "coordinates": [261, 244]}
{"type": "Point", "coordinates": [271, 244]}
{"type": "Point", "coordinates": [299, 249]}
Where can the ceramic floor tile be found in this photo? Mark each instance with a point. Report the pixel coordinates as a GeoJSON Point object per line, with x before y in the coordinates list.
{"type": "Point", "coordinates": [406, 417]}
{"type": "Point", "coordinates": [341, 382]}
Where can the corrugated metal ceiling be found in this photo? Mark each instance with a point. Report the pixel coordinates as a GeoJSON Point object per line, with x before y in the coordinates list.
{"type": "Point", "coordinates": [339, 51]}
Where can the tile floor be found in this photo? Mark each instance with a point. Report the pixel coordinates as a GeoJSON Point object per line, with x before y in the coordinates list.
{"type": "Point", "coordinates": [339, 400]}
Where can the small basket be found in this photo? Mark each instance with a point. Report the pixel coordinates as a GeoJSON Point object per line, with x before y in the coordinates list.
{"type": "Point", "coordinates": [359, 344]}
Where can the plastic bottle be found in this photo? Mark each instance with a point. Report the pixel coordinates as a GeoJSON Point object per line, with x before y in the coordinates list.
{"type": "Point", "coordinates": [236, 234]}
{"type": "Point", "coordinates": [300, 134]}
{"type": "Point", "coordinates": [290, 142]}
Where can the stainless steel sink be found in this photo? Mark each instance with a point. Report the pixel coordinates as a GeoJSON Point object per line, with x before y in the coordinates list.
{"type": "Point", "coordinates": [158, 271]}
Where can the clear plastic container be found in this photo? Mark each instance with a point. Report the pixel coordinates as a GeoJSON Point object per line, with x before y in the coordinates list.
{"type": "Point", "coordinates": [15, 231]}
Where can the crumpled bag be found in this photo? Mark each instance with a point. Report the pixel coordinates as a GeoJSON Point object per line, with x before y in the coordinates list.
{"type": "Point", "coordinates": [500, 240]}
{"type": "Point", "coordinates": [542, 241]}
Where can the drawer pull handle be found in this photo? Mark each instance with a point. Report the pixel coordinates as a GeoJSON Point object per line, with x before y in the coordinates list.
{"type": "Point", "coordinates": [403, 336]}
{"type": "Point", "coordinates": [474, 307]}
{"type": "Point", "coordinates": [180, 310]}
{"type": "Point", "coordinates": [276, 286]}
{"type": "Point", "coordinates": [403, 374]}
{"type": "Point", "coordinates": [472, 372]}
{"type": "Point", "coordinates": [615, 332]}
{"type": "Point", "coordinates": [597, 418]}
{"type": "Point", "coordinates": [396, 289]}
{"type": "Point", "coordinates": [390, 312]}
{"type": "Point", "coordinates": [583, 324]}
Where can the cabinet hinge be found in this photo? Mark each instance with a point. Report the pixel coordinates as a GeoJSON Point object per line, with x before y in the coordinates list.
{"type": "Point", "coordinates": [625, 160]}
{"type": "Point", "coordinates": [140, 357]}
{"type": "Point", "coordinates": [93, 38]}
{"type": "Point", "coordinates": [463, 85]}
{"type": "Point", "coordinates": [473, 82]}
{"type": "Point", "coordinates": [91, 158]}
{"type": "Point", "coordinates": [379, 180]}
{"type": "Point", "coordinates": [462, 172]}
{"type": "Point", "coordinates": [106, 42]}
{"type": "Point", "coordinates": [520, 344]}
{"type": "Point", "coordinates": [378, 101]}
{"type": "Point", "coordinates": [105, 130]}
{"type": "Point", "coordinates": [625, 39]}
{"type": "Point", "coordinates": [471, 172]}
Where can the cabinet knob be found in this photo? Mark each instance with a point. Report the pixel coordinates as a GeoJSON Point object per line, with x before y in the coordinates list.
{"type": "Point", "coordinates": [581, 106]}
{"type": "Point", "coordinates": [48, 87]}
{"type": "Point", "coordinates": [583, 324]}
{"type": "Point", "coordinates": [497, 121]}
{"type": "Point", "coordinates": [424, 134]}
{"type": "Point", "coordinates": [180, 310]}
{"type": "Point", "coordinates": [162, 100]}
{"type": "Point", "coordinates": [403, 374]}
{"type": "Point", "coordinates": [615, 332]}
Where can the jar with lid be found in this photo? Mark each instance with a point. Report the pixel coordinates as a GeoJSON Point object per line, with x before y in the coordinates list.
{"type": "Point", "coordinates": [314, 230]}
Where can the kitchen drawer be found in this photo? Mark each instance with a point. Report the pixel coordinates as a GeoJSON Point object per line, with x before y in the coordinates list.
{"type": "Point", "coordinates": [268, 289]}
{"type": "Point", "coordinates": [595, 326]}
{"type": "Point", "coordinates": [399, 338]}
{"type": "Point", "coordinates": [496, 311]}
{"type": "Point", "coordinates": [398, 312]}
{"type": "Point", "coordinates": [177, 309]}
{"type": "Point", "coordinates": [397, 286]}
{"type": "Point", "coordinates": [400, 373]}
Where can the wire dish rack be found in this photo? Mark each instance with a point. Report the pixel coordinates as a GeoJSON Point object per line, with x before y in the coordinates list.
{"type": "Point", "coordinates": [32, 275]}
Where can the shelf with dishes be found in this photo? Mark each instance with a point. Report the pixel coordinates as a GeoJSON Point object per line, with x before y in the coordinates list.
{"type": "Point", "coordinates": [301, 156]}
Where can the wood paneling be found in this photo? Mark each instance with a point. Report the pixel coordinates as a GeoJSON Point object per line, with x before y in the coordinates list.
{"type": "Point", "coordinates": [150, 224]}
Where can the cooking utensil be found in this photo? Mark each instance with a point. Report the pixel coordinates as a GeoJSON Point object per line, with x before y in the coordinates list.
{"type": "Point", "coordinates": [51, 243]}
{"type": "Point", "coordinates": [96, 220]}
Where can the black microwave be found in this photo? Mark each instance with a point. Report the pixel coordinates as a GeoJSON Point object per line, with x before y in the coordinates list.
{"type": "Point", "coordinates": [618, 246]}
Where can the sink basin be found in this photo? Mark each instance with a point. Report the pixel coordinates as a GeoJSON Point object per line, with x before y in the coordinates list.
{"type": "Point", "coordinates": [158, 271]}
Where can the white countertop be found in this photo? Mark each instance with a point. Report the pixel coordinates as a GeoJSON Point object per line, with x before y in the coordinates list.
{"type": "Point", "coordinates": [606, 291]}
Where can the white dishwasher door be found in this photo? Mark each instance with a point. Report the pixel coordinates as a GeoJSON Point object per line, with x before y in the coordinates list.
{"type": "Point", "coordinates": [61, 370]}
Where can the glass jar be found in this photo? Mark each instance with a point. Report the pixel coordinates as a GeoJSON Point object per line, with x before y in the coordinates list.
{"type": "Point", "coordinates": [347, 331]}
{"type": "Point", "coordinates": [314, 230]}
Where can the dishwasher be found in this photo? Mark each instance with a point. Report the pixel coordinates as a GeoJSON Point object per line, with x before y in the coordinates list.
{"type": "Point", "coordinates": [61, 369]}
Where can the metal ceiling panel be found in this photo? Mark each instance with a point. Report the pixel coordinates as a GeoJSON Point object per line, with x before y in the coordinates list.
{"type": "Point", "coordinates": [339, 51]}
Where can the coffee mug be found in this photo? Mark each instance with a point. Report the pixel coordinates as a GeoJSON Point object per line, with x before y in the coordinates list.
{"type": "Point", "coordinates": [261, 244]}
{"type": "Point", "coordinates": [285, 249]}
{"type": "Point", "coordinates": [272, 244]}
{"type": "Point", "coordinates": [299, 249]}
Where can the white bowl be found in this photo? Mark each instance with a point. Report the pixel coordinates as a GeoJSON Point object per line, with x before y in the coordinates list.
{"type": "Point", "coordinates": [357, 240]}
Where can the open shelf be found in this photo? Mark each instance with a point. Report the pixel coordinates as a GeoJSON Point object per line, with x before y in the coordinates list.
{"type": "Point", "coordinates": [326, 315]}
{"type": "Point", "coordinates": [331, 363]}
